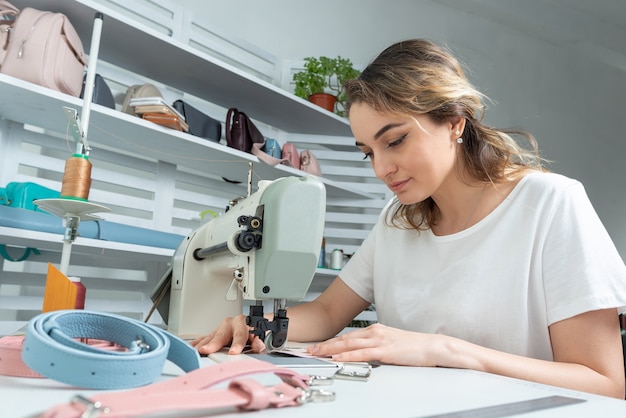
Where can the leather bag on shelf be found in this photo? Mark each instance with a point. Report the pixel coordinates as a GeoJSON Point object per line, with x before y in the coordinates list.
{"type": "Point", "coordinates": [290, 154]}
{"type": "Point", "coordinates": [272, 148]}
{"type": "Point", "coordinates": [102, 94]}
{"type": "Point", "coordinates": [44, 48]}
{"type": "Point", "coordinates": [269, 152]}
{"type": "Point", "coordinates": [8, 13]}
{"type": "Point", "coordinates": [241, 132]}
{"type": "Point", "coordinates": [309, 163]}
{"type": "Point", "coordinates": [200, 124]}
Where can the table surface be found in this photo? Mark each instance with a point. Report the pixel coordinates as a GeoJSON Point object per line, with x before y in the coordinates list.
{"type": "Point", "coordinates": [391, 391]}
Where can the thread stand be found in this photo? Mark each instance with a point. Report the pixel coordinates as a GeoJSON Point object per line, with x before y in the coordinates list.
{"type": "Point", "coordinates": [72, 212]}
{"type": "Point", "coordinates": [73, 205]}
{"type": "Point", "coordinates": [74, 208]}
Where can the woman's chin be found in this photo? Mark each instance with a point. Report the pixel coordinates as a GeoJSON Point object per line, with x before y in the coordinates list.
{"type": "Point", "coordinates": [408, 199]}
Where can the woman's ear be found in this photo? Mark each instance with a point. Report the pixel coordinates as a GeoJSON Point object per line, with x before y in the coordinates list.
{"type": "Point", "coordinates": [457, 126]}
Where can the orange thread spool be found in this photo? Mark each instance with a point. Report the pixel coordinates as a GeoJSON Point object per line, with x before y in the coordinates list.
{"type": "Point", "coordinates": [76, 178]}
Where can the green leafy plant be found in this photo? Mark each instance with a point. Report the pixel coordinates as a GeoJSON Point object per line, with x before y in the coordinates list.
{"type": "Point", "coordinates": [325, 75]}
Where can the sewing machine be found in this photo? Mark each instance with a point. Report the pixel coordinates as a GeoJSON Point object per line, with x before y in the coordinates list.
{"type": "Point", "coordinates": [265, 247]}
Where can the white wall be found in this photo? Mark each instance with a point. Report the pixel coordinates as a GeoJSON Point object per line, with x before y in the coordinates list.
{"type": "Point", "coordinates": [538, 76]}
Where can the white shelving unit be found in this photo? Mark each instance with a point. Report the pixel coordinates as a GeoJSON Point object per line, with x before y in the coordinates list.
{"type": "Point", "coordinates": [154, 177]}
{"type": "Point", "coordinates": [41, 107]}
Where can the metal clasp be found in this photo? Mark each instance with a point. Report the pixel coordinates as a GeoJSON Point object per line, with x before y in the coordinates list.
{"type": "Point", "coordinates": [320, 380]}
{"type": "Point", "coordinates": [142, 345]}
{"type": "Point", "coordinates": [92, 409]}
{"type": "Point", "coordinates": [316, 395]}
{"type": "Point", "coordinates": [354, 372]}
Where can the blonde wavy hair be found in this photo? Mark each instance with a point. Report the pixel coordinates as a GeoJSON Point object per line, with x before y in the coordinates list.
{"type": "Point", "coordinates": [419, 77]}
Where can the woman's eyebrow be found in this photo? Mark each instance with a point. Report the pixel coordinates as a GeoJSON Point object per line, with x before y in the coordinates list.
{"type": "Point", "coordinates": [381, 131]}
{"type": "Point", "coordinates": [385, 128]}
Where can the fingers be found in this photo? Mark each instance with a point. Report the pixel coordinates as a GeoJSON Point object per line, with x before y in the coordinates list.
{"type": "Point", "coordinates": [360, 345]}
{"type": "Point", "coordinates": [257, 345]}
{"type": "Point", "coordinates": [346, 350]}
{"type": "Point", "coordinates": [233, 331]}
{"type": "Point", "coordinates": [362, 355]}
{"type": "Point", "coordinates": [347, 342]}
{"type": "Point", "coordinates": [240, 337]}
{"type": "Point", "coordinates": [200, 341]}
{"type": "Point", "coordinates": [214, 342]}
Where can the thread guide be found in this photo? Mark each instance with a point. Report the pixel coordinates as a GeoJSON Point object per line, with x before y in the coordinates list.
{"type": "Point", "coordinates": [74, 128]}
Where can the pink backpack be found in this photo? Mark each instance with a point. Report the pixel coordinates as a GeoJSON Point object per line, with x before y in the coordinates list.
{"type": "Point", "coordinates": [290, 155]}
{"type": "Point", "coordinates": [44, 48]}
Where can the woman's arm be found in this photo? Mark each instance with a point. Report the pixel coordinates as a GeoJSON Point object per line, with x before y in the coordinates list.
{"type": "Point", "coordinates": [325, 316]}
{"type": "Point", "coordinates": [587, 353]}
{"type": "Point", "coordinates": [318, 320]}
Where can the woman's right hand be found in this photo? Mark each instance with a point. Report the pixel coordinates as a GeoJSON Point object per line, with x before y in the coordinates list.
{"type": "Point", "coordinates": [233, 331]}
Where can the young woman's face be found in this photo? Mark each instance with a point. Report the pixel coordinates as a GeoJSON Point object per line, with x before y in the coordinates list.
{"type": "Point", "coordinates": [413, 155]}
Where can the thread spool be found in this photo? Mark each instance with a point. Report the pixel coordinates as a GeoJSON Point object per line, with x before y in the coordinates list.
{"type": "Point", "coordinates": [336, 259]}
{"type": "Point", "coordinates": [321, 261]}
{"type": "Point", "coordinates": [76, 177]}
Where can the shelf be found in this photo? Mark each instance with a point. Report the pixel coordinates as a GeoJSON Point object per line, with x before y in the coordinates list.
{"type": "Point", "coordinates": [144, 51]}
{"type": "Point", "coordinates": [42, 107]}
{"type": "Point", "coordinates": [54, 242]}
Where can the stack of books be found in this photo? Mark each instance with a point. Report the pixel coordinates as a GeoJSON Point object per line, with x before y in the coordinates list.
{"type": "Point", "coordinates": [156, 110]}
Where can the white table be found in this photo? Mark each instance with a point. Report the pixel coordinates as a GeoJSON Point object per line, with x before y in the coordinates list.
{"type": "Point", "coordinates": [391, 391]}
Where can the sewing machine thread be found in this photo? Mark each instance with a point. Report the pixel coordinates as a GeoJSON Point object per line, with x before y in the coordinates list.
{"type": "Point", "coordinates": [336, 259]}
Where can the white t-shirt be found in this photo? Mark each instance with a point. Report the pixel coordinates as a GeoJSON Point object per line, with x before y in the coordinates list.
{"type": "Point", "coordinates": [541, 256]}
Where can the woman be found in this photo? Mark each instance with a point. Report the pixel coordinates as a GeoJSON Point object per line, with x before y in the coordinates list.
{"type": "Point", "coordinates": [483, 260]}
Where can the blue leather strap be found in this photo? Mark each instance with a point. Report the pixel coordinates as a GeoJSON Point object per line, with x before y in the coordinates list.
{"type": "Point", "coordinates": [52, 348]}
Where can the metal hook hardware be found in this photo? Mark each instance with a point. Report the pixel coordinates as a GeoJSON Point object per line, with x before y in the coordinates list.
{"type": "Point", "coordinates": [93, 409]}
{"type": "Point", "coordinates": [316, 395]}
{"type": "Point", "coordinates": [352, 372]}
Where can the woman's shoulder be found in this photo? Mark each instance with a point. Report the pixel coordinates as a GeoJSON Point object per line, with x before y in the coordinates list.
{"type": "Point", "coordinates": [546, 182]}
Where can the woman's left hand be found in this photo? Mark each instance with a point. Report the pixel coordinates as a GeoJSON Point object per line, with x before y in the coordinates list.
{"type": "Point", "coordinates": [382, 344]}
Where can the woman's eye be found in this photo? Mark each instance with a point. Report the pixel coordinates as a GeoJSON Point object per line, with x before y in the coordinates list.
{"type": "Point", "coordinates": [397, 142]}
{"type": "Point", "coordinates": [367, 155]}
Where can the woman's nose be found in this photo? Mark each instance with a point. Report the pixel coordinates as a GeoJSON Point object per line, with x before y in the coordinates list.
{"type": "Point", "coordinates": [383, 166]}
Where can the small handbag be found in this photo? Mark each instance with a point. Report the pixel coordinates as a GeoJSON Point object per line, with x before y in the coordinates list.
{"type": "Point", "coordinates": [102, 94]}
{"type": "Point", "coordinates": [272, 148]}
{"type": "Point", "coordinates": [43, 48]}
{"type": "Point", "coordinates": [309, 163]}
{"type": "Point", "coordinates": [269, 152]}
{"type": "Point", "coordinates": [200, 124]}
{"type": "Point", "coordinates": [290, 155]}
{"type": "Point", "coordinates": [241, 133]}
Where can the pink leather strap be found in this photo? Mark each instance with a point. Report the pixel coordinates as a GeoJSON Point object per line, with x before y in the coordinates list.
{"type": "Point", "coordinates": [11, 363]}
{"type": "Point", "coordinates": [190, 392]}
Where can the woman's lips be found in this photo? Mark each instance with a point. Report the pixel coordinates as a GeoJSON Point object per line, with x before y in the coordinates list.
{"type": "Point", "coordinates": [397, 185]}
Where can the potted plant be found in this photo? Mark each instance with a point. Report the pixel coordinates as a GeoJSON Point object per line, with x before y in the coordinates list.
{"type": "Point", "coordinates": [323, 78]}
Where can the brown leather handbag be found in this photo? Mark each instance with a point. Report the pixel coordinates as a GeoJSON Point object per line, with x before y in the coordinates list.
{"type": "Point", "coordinates": [241, 133]}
